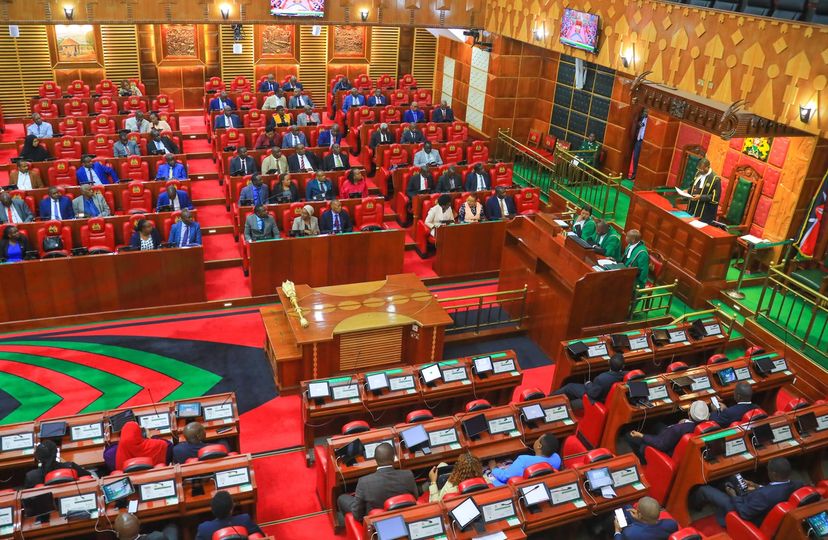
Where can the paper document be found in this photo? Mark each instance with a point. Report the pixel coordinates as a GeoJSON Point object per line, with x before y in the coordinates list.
{"type": "Point", "coordinates": [562, 224]}
{"type": "Point", "coordinates": [683, 193]}
{"type": "Point", "coordinates": [607, 492]}
{"type": "Point", "coordinates": [494, 536]}
{"type": "Point", "coordinates": [605, 262]}
{"type": "Point", "coordinates": [698, 224]}
{"type": "Point", "coordinates": [753, 239]}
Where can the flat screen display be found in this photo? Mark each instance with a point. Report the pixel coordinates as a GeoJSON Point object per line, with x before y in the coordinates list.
{"type": "Point", "coordinates": [117, 490]}
{"type": "Point", "coordinates": [414, 437]}
{"type": "Point", "coordinates": [599, 478]}
{"type": "Point", "coordinates": [475, 425]}
{"type": "Point", "coordinates": [154, 421]}
{"type": "Point", "coordinates": [819, 523]}
{"type": "Point", "coordinates": [782, 434]}
{"type": "Point", "coordinates": [297, 8]}
{"type": "Point", "coordinates": [376, 381]}
{"type": "Point", "coordinates": [677, 336]}
{"type": "Point", "coordinates": [655, 393]}
{"type": "Point", "coordinates": [638, 343]}
{"type": "Point", "coordinates": [503, 366]}
{"type": "Point", "coordinates": [86, 502]}
{"type": "Point", "coordinates": [498, 510]}
{"type": "Point", "coordinates": [726, 376]}
{"type": "Point", "coordinates": [700, 383]}
{"type": "Point", "coordinates": [189, 409]}
{"type": "Point", "coordinates": [157, 490]}
{"type": "Point", "coordinates": [465, 512]}
{"type": "Point", "coordinates": [233, 477]}
{"type": "Point", "coordinates": [6, 516]}
{"type": "Point", "coordinates": [401, 383]}
{"type": "Point", "coordinates": [535, 494]}
{"type": "Point", "coordinates": [624, 477]}
{"type": "Point", "coordinates": [565, 493]}
{"type": "Point", "coordinates": [483, 364]}
{"type": "Point", "coordinates": [599, 349]}
{"type": "Point", "coordinates": [580, 30]}
{"type": "Point", "coordinates": [345, 391]}
{"type": "Point", "coordinates": [532, 412]}
{"type": "Point", "coordinates": [431, 373]}
{"type": "Point", "coordinates": [455, 374]}
{"type": "Point", "coordinates": [554, 414]}
{"type": "Point", "coordinates": [18, 441]}
{"type": "Point", "coordinates": [319, 390]}
{"type": "Point", "coordinates": [218, 412]}
{"type": "Point", "coordinates": [392, 528]}
{"type": "Point", "coordinates": [742, 373]}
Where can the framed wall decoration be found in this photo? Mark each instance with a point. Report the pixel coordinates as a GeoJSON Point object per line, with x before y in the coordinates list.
{"type": "Point", "coordinates": [349, 43]}
{"type": "Point", "coordinates": [179, 42]}
{"type": "Point", "coordinates": [76, 44]}
{"type": "Point", "coordinates": [758, 147]}
{"type": "Point", "coordinates": [277, 41]}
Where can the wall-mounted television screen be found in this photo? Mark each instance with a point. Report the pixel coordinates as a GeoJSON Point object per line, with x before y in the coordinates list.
{"type": "Point", "coordinates": [580, 30]}
{"type": "Point", "coordinates": [297, 8]}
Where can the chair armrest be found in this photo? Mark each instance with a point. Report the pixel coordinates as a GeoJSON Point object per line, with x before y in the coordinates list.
{"type": "Point", "coordinates": [740, 529]}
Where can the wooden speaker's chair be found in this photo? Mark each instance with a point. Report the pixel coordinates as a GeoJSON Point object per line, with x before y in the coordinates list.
{"type": "Point", "coordinates": [690, 157]}
{"type": "Point", "coordinates": [739, 203]}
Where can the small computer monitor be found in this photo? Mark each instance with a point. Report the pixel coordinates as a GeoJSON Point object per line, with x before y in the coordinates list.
{"type": "Point", "coordinates": [532, 412]}
{"type": "Point", "coordinates": [807, 423]}
{"type": "Point", "coordinates": [117, 490]}
{"type": "Point", "coordinates": [376, 382]}
{"type": "Point", "coordinates": [475, 425]}
{"type": "Point", "coordinates": [714, 448]}
{"type": "Point", "coordinates": [818, 523]}
{"type": "Point", "coordinates": [392, 528]}
{"type": "Point", "coordinates": [483, 365]}
{"type": "Point", "coordinates": [431, 373]}
{"type": "Point", "coordinates": [638, 343]}
{"type": "Point", "coordinates": [118, 420]}
{"type": "Point", "coordinates": [597, 349]}
{"type": "Point", "coordinates": [660, 336]}
{"type": "Point", "coordinates": [319, 390]}
{"type": "Point", "coordinates": [734, 447]}
{"type": "Point", "coordinates": [726, 376]}
{"type": "Point", "coordinates": [764, 366]}
{"type": "Point", "coordinates": [638, 390]}
{"type": "Point", "coordinates": [415, 437]}
{"type": "Point", "coordinates": [599, 478]}
{"type": "Point", "coordinates": [763, 434]}
{"type": "Point", "coordinates": [52, 430]}
{"type": "Point", "coordinates": [577, 350]}
{"type": "Point", "coordinates": [620, 342]}
{"type": "Point", "coordinates": [535, 494]}
{"type": "Point", "coordinates": [350, 451]}
{"type": "Point", "coordinates": [190, 409]}
{"type": "Point", "coordinates": [465, 513]}
{"type": "Point", "coordinates": [38, 505]}
{"type": "Point", "coordinates": [781, 433]}
{"type": "Point", "coordinates": [677, 336]}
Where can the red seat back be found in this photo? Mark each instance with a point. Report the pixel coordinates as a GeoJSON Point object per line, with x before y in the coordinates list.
{"type": "Point", "coordinates": [534, 138]}
{"type": "Point", "coordinates": [246, 100]}
{"type": "Point", "coordinates": [420, 415]}
{"type": "Point", "coordinates": [527, 201]}
{"type": "Point", "coordinates": [395, 154]}
{"type": "Point", "coordinates": [70, 126]}
{"type": "Point", "coordinates": [50, 89]}
{"type": "Point", "coordinates": [398, 502]}
{"type": "Point", "coordinates": [478, 405]}
{"type": "Point", "coordinates": [212, 451]}
{"type": "Point", "coordinates": [60, 476]}
{"type": "Point", "coordinates": [717, 358]}
{"type": "Point", "coordinates": [390, 114]}
{"type": "Point", "coordinates": [363, 82]}
{"type": "Point", "coordinates": [255, 119]}
{"type": "Point", "coordinates": [370, 212]}
{"type": "Point", "coordinates": [68, 148]}
{"type": "Point", "coordinates": [502, 175]}
{"type": "Point", "coordinates": [434, 132]}
{"type": "Point", "coordinates": [76, 107]}
{"type": "Point", "coordinates": [399, 98]}
{"type": "Point", "coordinates": [235, 532]}
{"type": "Point", "coordinates": [163, 103]}
{"type": "Point", "coordinates": [407, 81]}
{"type": "Point", "coordinates": [141, 463]}
{"type": "Point", "coordinates": [78, 89]}
{"type": "Point", "coordinates": [357, 426]}
{"type": "Point", "coordinates": [62, 174]}
{"type": "Point", "coordinates": [135, 103]}
{"type": "Point", "coordinates": [215, 84]}
{"type": "Point", "coordinates": [129, 225]}
{"type": "Point", "coordinates": [232, 137]}
{"type": "Point", "coordinates": [46, 108]}
{"type": "Point", "coordinates": [458, 132]}
{"type": "Point", "coordinates": [106, 88]}
{"type": "Point", "coordinates": [136, 199]}
{"type": "Point", "coordinates": [103, 124]}
{"type": "Point", "coordinates": [385, 82]}
{"type": "Point", "coordinates": [538, 469]}
{"type": "Point", "coordinates": [135, 168]}
{"type": "Point", "coordinates": [472, 485]}
{"type": "Point", "coordinates": [54, 228]}
{"type": "Point", "coordinates": [677, 366]}
{"type": "Point", "coordinates": [687, 533]}
{"type": "Point", "coordinates": [240, 84]}
{"type": "Point", "coordinates": [531, 393]}
{"type": "Point", "coordinates": [549, 142]}
{"type": "Point", "coordinates": [423, 96]}
{"type": "Point", "coordinates": [101, 146]}
{"type": "Point", "coordinates": [477, 152]}
{"type": "Point", "coordinates": [96, 233]}
{"type": "Point", "coordinates": [452, 153]}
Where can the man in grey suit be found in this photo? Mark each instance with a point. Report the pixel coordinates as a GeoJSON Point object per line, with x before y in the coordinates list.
{"type": "Point", "coordinates": [260, 225]}
{"type": "Point", "coordinates": [374, 489]}
{"type": "Point", "coordinates": [124, 147]}
{"type": "Point", "coordinates": [299, 100]}
{"type": "Point", "coordinates": [254, 194]}
{"type": "Point", "coordinates": [13, 210]}
{"type": "Point", "coordinates": [90, 203]}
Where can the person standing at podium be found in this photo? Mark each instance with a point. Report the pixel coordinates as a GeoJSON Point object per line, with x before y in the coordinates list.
{"type": "Point", "coordinates": [705, 193]}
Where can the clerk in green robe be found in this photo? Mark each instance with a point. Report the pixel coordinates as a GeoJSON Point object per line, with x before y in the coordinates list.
{"type": "Point", "coordinates": [607, 241]}
{"type": "Point", "coordinates": [636, 256]}
{"type": "Point", "coordinates": [591, 148]}
{"type": "Point", "coordinates": [584, 226]}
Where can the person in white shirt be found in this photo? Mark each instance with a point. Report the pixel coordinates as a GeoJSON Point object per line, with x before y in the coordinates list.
{"type": "Point", "coordinates": [276, 100]}
{"type": "Point", "coordinates": [639, 141]}
{"type": "Point", "coordinates": [137, 123]}
{"type": "Point", "coordinates": [440, 214]}
{"type": "Point", "coordinates": [155, 123]}
{"type": "Point", "coordinates": [39, 128]}
{"type": "Point", "coordinates": [427, 156]}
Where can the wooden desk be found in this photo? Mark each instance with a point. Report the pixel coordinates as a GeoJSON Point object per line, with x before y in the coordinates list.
{"type": "Point", "coordinates": [329, 259]}
{"type": "Point", "coordinates": [438, 429]}
{"type": "Point", "coordinates": [20, 439]}
{"type": "Point", "coordinates": [148, 485]}
{"type": "Point", "coordinates": [469, 248]}
{"type": "Point", "coordinates": [9, 503]}
{"type": "Point", "coordinates": [338, 476]}
{"type": "Point", "coordinates": [60, 287]}
{"type": "Point", "coordinates": [548, 515]}
{"type": "Point", "coordinates": [243, 494]}
{"type": "Point", "coordinates": [58, 526]}
{"type": "Point", "coordinates": [501, 500]}
{"type": "Point", "coordinates": [424, 518]}
{"type": "Point", "coordinates": [224, 416]}
{"type": "Point", "coordinates": [792, 527]}
{"type": "Point", "coordinates": [488, 445]}
{"type": "Point", "coordinates": [698, 258]}
{"type": "Point", "coordinates": [625, 467]}
{"type": "Point", "coordinates": [786, 443]}
{"type": "Point", "coordinates": [558, 418]}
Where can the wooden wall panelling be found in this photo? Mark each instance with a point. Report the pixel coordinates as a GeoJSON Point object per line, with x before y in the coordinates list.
{"type": "Point", "coordinates": [279, 64]}
{"type": "Point", "coordinates": [313, 61]}
{"type": "Point", "coordinates": [385, 51]}
{"type": "Point", "coordinates": [406, 49]}
{"type": "Point", "coordinates": [424, 57]}
{"type": "Point", "coordinates": [26, 64]}
{"type": "Point", "coordinates": [147, 57]}
{"type": "Point", "coordinates": [236, 65]}
{"type": "Point", "coordinates": [120, 51]}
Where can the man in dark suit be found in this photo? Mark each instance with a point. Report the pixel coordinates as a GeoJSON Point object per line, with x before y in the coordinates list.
{"type": "Point", "coordinates": [228, 119]}
{"type": "Point", "coordinates": [372, 490]}
{"type": "Point", "coordinates": [221, 102]}
{"type": "Point", "coordinates": [412, 135]}
{"type": "Point", "coordinates": [195, 437]}
{"type": "Point", "coordinates": [667, 439]}
{"type": "Point", "coordinates": [56, 206]}
{"type": "Point", "coordinates": [755, 504]}
{"type": "Point", "coordinates": [705, 193]}
{"type": "Point", "coordinates": [260, 225]}
{"type": "Point", "coordinates": [743, 394]}
{"type": "Point", "coordinates": [422, 180]}
{"type": "Point", "coordinates": [336, 220]}
{"type": "Point", "coordinates": [501, 206]}
{"type": "Point", "coordinates": [302, 160]}
{"type": "Point", "coordinates": [159, 146]}
{"type": "Point", "coordinates": [174, 199]}
{"type": "Point", "coordinates": [478, 179]}
{"type": "Point", "coordinates": [414, 114]}
{"type": "Point", "coordinates": [269, 84]}
{"type": "Point", "coordinates": [14, 210]}
{"type": "Point", "coordinates": [381, 136]}
{"type": "Point", "coordinates": [643, 523]}
{"type": "Point", "coordinates": [337, 160]}
{"type": "Point", "coordinates": [222, 507]}
{"type": "Point", "coordinates": [292, 84]}
{"type": "Point", "coordinates": [254, 194]}
{"type": "Point", "coordinates": [242, 164]}
{"type": "Point", "coordinates": [293, 138]}
{"type": "Point", "coordinates": [185, 232]}
{"type": "Point", "coordinates": [443, 113]}
{"type": "Point", "coordinates": [329, 137]}
{"type": "Point", "coordinates": [320, 188]}
{"type": "Point", "coordinates": [597, 389]}
{"type": "Point", "coordinates": [377, 99]}
{"type": "Point", "coordinates": [450, 181]}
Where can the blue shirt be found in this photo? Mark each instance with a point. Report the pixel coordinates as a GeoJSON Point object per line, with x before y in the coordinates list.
{"type": "Point", "coordinates": [14, 253]}
{"type": "Point", "coordinates": [501, 476]}
{"type": "Point", "coordinates": [89, 207]}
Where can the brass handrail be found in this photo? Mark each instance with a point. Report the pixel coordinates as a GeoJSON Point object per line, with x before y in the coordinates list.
{"type": "Point", "coordinates": [494, 293]}
{"type": "Point", "coordinates": [482, 309]}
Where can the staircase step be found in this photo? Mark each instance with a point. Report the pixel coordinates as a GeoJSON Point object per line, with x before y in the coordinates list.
{"type": "Point", "coordinates": [222, 263]}
{"type": "Point", "coordinates": [218, 229]}
{"type": "Point", "coordinates": [209, 202]}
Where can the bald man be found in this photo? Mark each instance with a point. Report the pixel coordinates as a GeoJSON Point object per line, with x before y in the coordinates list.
{"type": "Point", "coordinates": [643, 522]}
{"type": "Point", "coordinates": [128, 527]}
{"type": "Point", "coordinates": [194, 440]}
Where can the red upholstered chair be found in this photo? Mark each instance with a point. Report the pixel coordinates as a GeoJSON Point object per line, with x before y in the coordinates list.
{"type": "Point", "coordinates": [548, 146]}
{"type": "Point", "coordinates": [457, 132]}
{"type": "Point", "coordinates": [533, 140]}
{"type": "Point", "coordinates": [174, 218]}
{"type": "Point", "coordinates": [754, 351]}
{"type": "Point", "coordinates": [28, 199]}
{"type": "Point", "coordinates": [422, 95]}
{"type": "Point", "coordinates": [701, 429]}
{"type": "Point", "coordinates": [529, 394]}
{"type": "Point", "coordinates": [795, 404]}
{"type": "Point", "coordinates": [362, 115]}
{"type": "Point", "coordinates": [134, 103]}
{"type": "Point", "coordinates": [136, 199]}
{"type": "Point", "coordinates": [472, 485]}
{"type": "Point", "coordinates": [106, 88]}
{"type": "Point", "coordinates": [687, 533]}
{"type": "Point", "coordinates": [71, 127]}
{"type": "Point", "coordinates": [390, 114]}
{"type": "Point", "coordinates": [478, 405]}
{"type": "Point", "coordinates": [235, 532]}
{"type": "Point", "coordinates": [399, 98]}
{"type": "Point", "coordinates": [538, 469]}
{"type": "Point", "coordinates": [677, 366]}
{"type": "Point", "coordinates": [752, 415]}
{"type": "Point", "coordinates": [141, 141]}
{"type": "Point", "coordinates": [130, 224]}
{"type": "Point", "coordinates": [741, 529]}
{"type": "Point", "coordinates": [102, 124]}
{"type": "Point", "coordinates": [527, 201]}
{"type": "Point", "coordinates": [717, 358]}
{"type": "Point", "coordinates": [357, 426]}
{"type": "Point", "coordinates": [363, 82]}
{"type": "Point", "coordinates": [385, 82]}
{"type": "Point", "coordinates": [370, 213]}
{"type": "Point", "coordinates": [289, 214]}
{"type": "Point", "coordinates": [240, 84]}
{"type": "Point", "coordinates": [76, 107]}
{"type": "Point", "coordinates": [407, 82]}
{"type": "Point", "coordinates": [231, 137]}
{"type": "Point", "coordinates": [477, 151]}
{"type": "Point", "coordinates": [61, 173]}
{"type": "Point", "coordinates": [247, 100]}
{"type": "Point", "coordinates": [212, 451]}
{"type": "Point", "coordinates": [398, 502]}
{"type": "Point", "coordinates": [502, 175]}
{"type": "Point", "coordinates": [255, 119]}
{"type": "Point", "coordinates": [422, 234]}
{"type": "Point", "coordinates": [46, 108]}
{"type": "Point", "coordinates": [634, 375]}
{"type": "Point", "coordinates": [137, 464]}
{"type": "Point", "coordinates": [97, 236]}
{"type": "Point", "coordinates": [170, 119]}
{"type": "Point", "coordinates": [60, 476]}
{"type": "Point", "coordinates": [51, 90]}
{"type": "Point", "coordinates": [54, 228]}
{"type": "Point", "coordinates": [452, 153]}
{"type": "Point", "coordinates": [78, 89]}
{"type": "Point", "coordinates": [215, 84]}
{"type": "Point", "coordinates": [434, 133]}
{"type": "Point", "coordinates": [163, 103]}
{"type": "Point", "coordinates": [68, 148]}
{"type": "Point", "coordinates": [420, 415]}
{"type": "Point", "coordinates": [135, 168]}
{"type": "Point", "coordinates": [591, 425]}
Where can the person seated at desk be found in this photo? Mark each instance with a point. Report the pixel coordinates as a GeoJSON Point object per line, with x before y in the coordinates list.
{"type": "Point", "coordinates": [268, 139]}
{"type": "Point", "coordinates": [221, 102]}
{"type": "Point", "coordinates": [329, 137]}
{"type": "Point", "coordinates": [501, 206]}
{"type": "Point", "coordinates": [667, 438]}
{"type": "Point", "coordinates": [128, 527]}
{"type": "Point", "coordinates": [159, 145]}
{"type": "Point", "coordinates": [342, 85]}
{"type": "Point", "coordinates": [450, 181]}
{"type": "Point", "coordinates": [299, 100]}
{"type": "Point", "coordinates": [46, 456]}
{"type": "Point", "coordinates": [336, 219]}
{"type": "Point", "coordinates": [269, 84]}
{"type": "Point", "coordinates": [260, 225]}
{"type": "Point", "coordinates": [354, 185]}
{"type": "Point", "coordinates": [414, 114]}
{"type": "Point", "coordinates": [755, 504]}
{"type": "Point", "coordinates": [705, 193]}
{"type": "Point", "coordinates": [337, 160]}
{"type": "Point", "coordinates": [546, 451]}
{"type": "Point", "coordinates": [156, 123]}
{"type": "Point", "coordinates": [273, 102]}
{"type": "Point", "coordinates": [173, 199]}
{"type": "Point", "coordinates": [584, 226]}
{"type": "Point", "coordinates": [24, 177]}
{"type": "Point", "coordinates": [381, 136]}
{"type": "Point", "coordinates": [471, 211]}
{"type": "Point", "coordinates": [597, 389]}
{"type": "Point", "coordinates": [40, 129]}
{"type": "Point", "coordinates": [294, 137]}
{"type": "Point", "coordinates": [286, 190]}
{"type": "Point", "coordinates": [292, 84]}
{"type": "Point", "coordinates": [353, 99]}
{"type": "Point", "coordinates": [186, 231]}
{"type": "Point", "coordinates": [146, 237]}
{"type": "Point", "coordinates": [195, 437]}
{"type": "Point", "coordinates": [280, 118]}
{"type": "Point", "coordinates": [374, 489]}
{"type": "Point", "coordinates": [743, 395]}
{"type": "Point", "coordinates": [242, 164]}
{"type": "Point", "coordinates": [606, 241]}
{"type": "Point", "coordinates": [306, 224]}
{"type": "Point", "coordinates": [465, 468]}
{"type": "Point", "coordinates": [319, 189]}
{"type": "Point", "coordinates": [227, 120]}
{"type": "Point", "coordinates": [427, 156]}
{"type": "Point", "coordinates": [137, 123]}
{"type": "Point", "coordinates": [377, 99]}
{"type": "Point", "coordinates": [636, 255]}
{"type": "Point", "coordinates": [34, 150]}
{"type": "Point", "coordinates": [412, 135]}
{"type": "Point", "coordinates": [171, 169]}
{"type": "Point", "coordinates": [420, 182]}
{"type": "Point", "coordinates": [13, 245]}
{"type": "Point", "coordinates": [478, 179]}
{"type": "Point", "coordinates": [128, 88]}
{"type": "Point", "coordinates": [132, 444]}
{"type": "Point", "coordinates": [643, 523]}
{"type": "Point", "coordinates": [56, 206]}
{"type": "Point", "coordinates": [308, 117]}
{"type": "Point", "coordinates": [222, 508]}
{"type": "Point", "coordinates": [302, 160]}
{"type": "Point", "coordinates": [443, 113]}
{"type": "Point", "coordinates": [255, 193]}
{"type": "Point", "coordinates": [124, 146]}
{"type": "Point", "coordinates": [90, 203]}
{"type": "Point", "coordinates": [95, 172]}
{"type": "Point", "coordinates": [275, 162]}
{"type": "Point", "coordinates": [440, 214]}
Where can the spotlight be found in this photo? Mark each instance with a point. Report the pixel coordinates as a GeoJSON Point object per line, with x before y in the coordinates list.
{"type": "Point", "coordinates": [69, 11]}
{"type": "Point", "coordinates": [363, 14]}
{"type": "Point", "coordinates": [225, 11]}
{"type": "Point", "coordinates": [805, 112]}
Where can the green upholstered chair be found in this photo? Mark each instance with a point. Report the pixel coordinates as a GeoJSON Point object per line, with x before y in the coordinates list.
{"type": "Point", "coordinates": [812, 273]}
{"type": "Point", "coordinates": [689, 165]}
{"type": "Point", "coordinates": [739, 203]}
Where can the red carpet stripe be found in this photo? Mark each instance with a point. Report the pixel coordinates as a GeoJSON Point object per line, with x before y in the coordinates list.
{"type": "Point", "coordinates": [76, 394]}
{"type": "Point", "coordinates": [285, 474]}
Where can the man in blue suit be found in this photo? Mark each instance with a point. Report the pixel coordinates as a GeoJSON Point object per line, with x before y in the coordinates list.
{"type": "Point", "coordinates": [643, 522]}
{"type": "Point", "coordinates": [354, 99]}
{"type": "Point", "coordinates": [292, 84]}
{"type": "Point", "coordinates": [757, 501]}
{"type": "Point", "coordinates": [93, 172]}
{"type": "Point", "coordinates": [294, 138]}
{"type": "Point", "coordinates": [743, 394]}
{"type": "Point", "coordinates": [501, 206]}
{"type": "Point", "coordinates": [378, 99]}
{"type": "Point", "coordinates": [228, 119]}
{"type": "Point", "coordinates": [269, 84]}
{"type": "Point", "coordinates": [171, 170]}
{"type": "Point", "coordinates": [56, 206]}
{"type": "Point", "coordinates": [176, 200]}
{"type": "Point", "coordinates": [443, 113]}
{"type": "Point", "coordinates": [329, 137]}
{"type": "Point", "coordinates": [335, 220]}
{"type": "Point", "coordinates": [414, 114]}
{"type": "Point", "coordinates": [186, 232]}
{"type": "Point", "coordinates": [219, 103]}
{"type": "Point", "coordinates": [222, 507]}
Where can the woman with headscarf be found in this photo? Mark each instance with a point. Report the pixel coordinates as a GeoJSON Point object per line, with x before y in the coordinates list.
{"type": "Point", "coordinates": [34, 150]}
{"type": "Point", "coordinates": [306, 223]}
{"type": "Point", "coordinates": [132, 444]}
{"type": "Point", "coordinates": [46, 455]}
